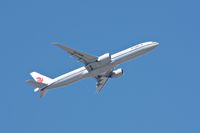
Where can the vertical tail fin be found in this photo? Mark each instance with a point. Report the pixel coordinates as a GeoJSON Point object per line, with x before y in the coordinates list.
{"type": "Point", "coordinates": [41, 78]}
{"type": "Point", "coordinates": [40, 82]}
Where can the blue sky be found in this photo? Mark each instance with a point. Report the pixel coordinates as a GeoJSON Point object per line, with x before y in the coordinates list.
{"type": "Point", "coordinates": [159, 92]}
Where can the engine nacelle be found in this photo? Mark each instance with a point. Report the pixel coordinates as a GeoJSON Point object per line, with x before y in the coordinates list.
{"type": "Point", "coordinates": [117, 73]}
{"type": "Point", "coordinates": [106, 58]}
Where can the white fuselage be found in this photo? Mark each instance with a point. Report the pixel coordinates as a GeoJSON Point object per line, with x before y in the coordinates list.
{"type": "Point", "coordinates": [116, 59]}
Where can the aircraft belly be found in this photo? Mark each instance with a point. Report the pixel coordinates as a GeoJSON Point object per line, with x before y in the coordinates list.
{"type": "Point", "coordinates": [80, 75]}
{"type": "Point", "coordinates": [67, 82]}
{"type": "Point", "coordinates": [70, 79]}
{"type": "Point", "coordinates": [102, 70]}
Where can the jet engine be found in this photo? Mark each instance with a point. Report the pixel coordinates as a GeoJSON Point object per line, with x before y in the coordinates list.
{"type": "Point", "coordinates": [106, 58]}
{"type": "Point", "coordinates": [116, 73]}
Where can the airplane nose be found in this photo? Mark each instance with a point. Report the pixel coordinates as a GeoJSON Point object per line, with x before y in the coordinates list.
{"type": "Point", "coordinates": [155, 44]}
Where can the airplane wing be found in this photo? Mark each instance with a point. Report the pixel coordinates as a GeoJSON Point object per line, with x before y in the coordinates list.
{"type": "Point", "coordinates": [101, 81]}
{"type": "Point", "coordinates": [82, 57]}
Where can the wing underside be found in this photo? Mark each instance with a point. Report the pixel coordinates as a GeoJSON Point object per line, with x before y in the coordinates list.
{"type": "Point", "coordinates": [101, 81]}
{"type": "Point", "coordinates": [82, 57]}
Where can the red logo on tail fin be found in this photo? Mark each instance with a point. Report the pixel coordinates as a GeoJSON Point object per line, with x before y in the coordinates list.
{"type": "Point", "coordinates": [39, 79]}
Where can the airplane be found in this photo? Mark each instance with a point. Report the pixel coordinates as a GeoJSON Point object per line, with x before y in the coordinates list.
{"type": "Point", "coordinates": [101, 68]}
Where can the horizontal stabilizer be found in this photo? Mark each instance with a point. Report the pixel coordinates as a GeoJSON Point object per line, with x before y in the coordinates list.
{"type": "Point", "coordinates": [36, 84]}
